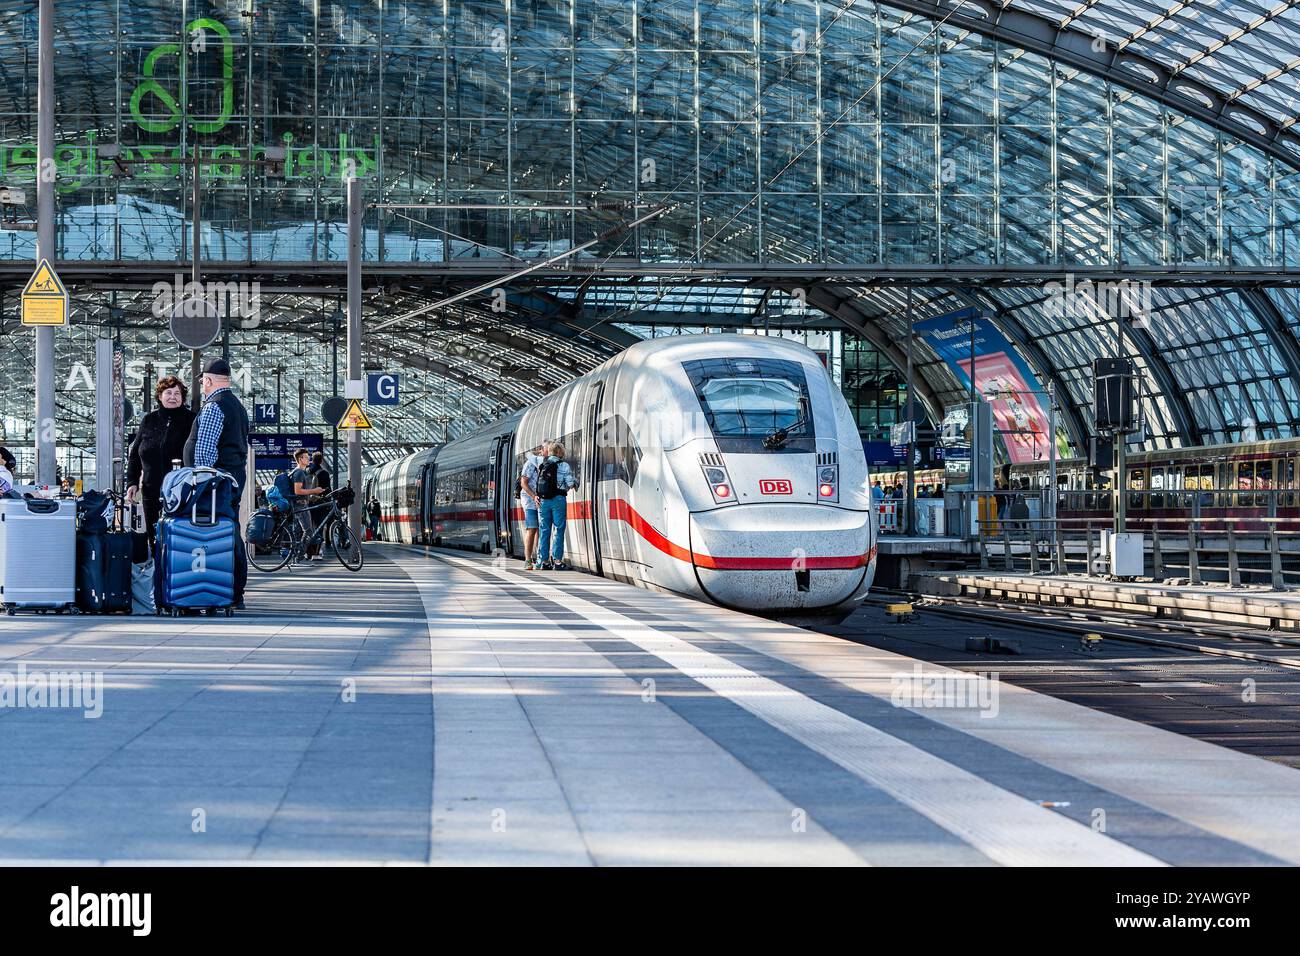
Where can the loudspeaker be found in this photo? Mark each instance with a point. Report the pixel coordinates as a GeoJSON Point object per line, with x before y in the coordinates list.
{"type": "Point", "coordinates": [1112, 395]}
{"type": "Point", "coordinates": [1101, 452]}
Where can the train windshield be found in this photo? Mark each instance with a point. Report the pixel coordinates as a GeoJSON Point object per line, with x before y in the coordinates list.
{"type": "Point", "coordinates": [753, 405]}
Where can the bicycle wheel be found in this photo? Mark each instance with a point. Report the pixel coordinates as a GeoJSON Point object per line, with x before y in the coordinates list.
{"type": "Point", "coordinates": [284, 545]}
{"type": "Point", "coordinates": [346, 547]}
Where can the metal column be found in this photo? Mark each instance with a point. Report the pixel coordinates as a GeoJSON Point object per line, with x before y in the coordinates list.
{"type": "Point", "coordinates": [909, 522]}
{"type": "Point", "coordinates": [196, 270]}
{"type": "Point", "coordinates": [356, 212]}
{"type": "Point", "coordinates": [46, 461]}
{"type": "Point", "coordinates": [334, 390]}
{"type": "Point", "coordinates": [1051, 449]}
{"type": "Point", "coordinates": [104, 423]}
{"type": "Point", "coordinates": [1121, 437]}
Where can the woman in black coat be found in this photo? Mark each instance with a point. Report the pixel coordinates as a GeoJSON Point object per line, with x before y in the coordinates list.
{"type": "Point", "coordinates": [158, 442]}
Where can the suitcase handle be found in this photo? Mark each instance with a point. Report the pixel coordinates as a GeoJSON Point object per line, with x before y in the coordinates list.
{"type": "Point", "coordinates": [42, 506]}
{"type": "Point", "coordinates": [213, 517]}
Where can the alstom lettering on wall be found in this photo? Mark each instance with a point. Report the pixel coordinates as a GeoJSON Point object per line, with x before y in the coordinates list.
{"type": "Point", "coordinates": [725, 467]}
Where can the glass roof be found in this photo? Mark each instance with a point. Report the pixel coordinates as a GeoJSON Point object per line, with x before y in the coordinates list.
{"type": "Point", "coordinates": [1246, 51]}
{"type": "Point", "coordinates": [781, 134]}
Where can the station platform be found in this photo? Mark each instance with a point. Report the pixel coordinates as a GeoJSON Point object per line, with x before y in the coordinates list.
{"type": "Point", "coordinates": [448, 708]}
{"type": "Point", "coordinates": [1249, 605]}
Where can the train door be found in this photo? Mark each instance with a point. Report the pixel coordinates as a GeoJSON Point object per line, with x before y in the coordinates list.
{"type": "Point", "coordinates": [591, 478]}
{"type": "Point", "coordinates": [503, 492]}
{"type": "Point", "coordinates": [426, 502]}
{"type": "Point", "coordinates": [415, 520]}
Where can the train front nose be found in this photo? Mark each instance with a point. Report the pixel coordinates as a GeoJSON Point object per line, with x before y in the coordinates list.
{"type": "Point", "coordinates": [782, 556]}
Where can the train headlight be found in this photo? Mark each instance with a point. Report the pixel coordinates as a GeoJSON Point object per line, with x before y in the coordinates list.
{"type": "Point", "coordinates": [719, 484]}
{"type": "Point", "coordinates": [828, 483]}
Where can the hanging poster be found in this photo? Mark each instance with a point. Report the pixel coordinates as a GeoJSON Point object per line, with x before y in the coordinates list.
{"type": "Point", "coordinates": [1002, 378]}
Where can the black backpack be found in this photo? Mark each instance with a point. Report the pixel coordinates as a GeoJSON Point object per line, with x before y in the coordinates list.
{"type": "Point", "coordinates": [548, 479]}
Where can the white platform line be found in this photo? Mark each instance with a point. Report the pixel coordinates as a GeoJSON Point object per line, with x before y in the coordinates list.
{"type": "Point", "coordinates": [1005, 827]}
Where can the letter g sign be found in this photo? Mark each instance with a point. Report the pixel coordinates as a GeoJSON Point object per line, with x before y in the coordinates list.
{"type": "Point", "coordinates": [382, 388]}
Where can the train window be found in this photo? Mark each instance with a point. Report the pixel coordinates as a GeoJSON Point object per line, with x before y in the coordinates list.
{"type": "Point", "coordinates": [618, 455]}
{"type": "Point", "coordinates": [1200, 478]}
{"type": "Point", "coordinates": [1245, 480]}
{"type": "Point", "coordinates": [1137, 482]}
{"type": "Point", "coordinates": [1290, 496]}
{"type": "Point", "coordinates": [1263, 482]}
{"type": "Point", "coordinates": [746, 400]}
{"type": "Point", "coordinates": [572, 443]}
{"type": "Point", "coordinates": [1157, 498]}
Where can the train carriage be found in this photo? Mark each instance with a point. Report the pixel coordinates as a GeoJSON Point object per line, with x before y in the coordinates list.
{"type": "Point", "coordinates": [1244, 481]}
{"type": "Point", "coordinates": [400, 487]}
{"type": "Point", "coordinates": [719, 466]}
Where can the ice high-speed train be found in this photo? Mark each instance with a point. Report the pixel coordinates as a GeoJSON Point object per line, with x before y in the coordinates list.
{"type": "Point", "coordinates": [726, 467]}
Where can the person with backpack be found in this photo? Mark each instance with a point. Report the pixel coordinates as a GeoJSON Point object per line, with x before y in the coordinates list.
{"type": "Point", "coordinates": [529, 499]}
{"type": "Point", "coordinates": [304, 489]}
{"type": "Point", "coordinates": [373, 514]}
{"type": "Point", "coordinates": [554, 479]}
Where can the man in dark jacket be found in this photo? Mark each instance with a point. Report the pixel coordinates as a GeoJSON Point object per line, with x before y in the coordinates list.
{"type": "Point", "coordinates": [159, 441]}
{"type": "Point", "coordinates": [219, 439]}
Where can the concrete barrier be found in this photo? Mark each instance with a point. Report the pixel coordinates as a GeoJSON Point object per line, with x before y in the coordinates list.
{"type": "Point", "coordinates": [1254, 607]}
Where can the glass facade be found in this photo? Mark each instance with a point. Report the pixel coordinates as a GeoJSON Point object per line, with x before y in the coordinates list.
{"type": "Point", "coordinates": [876, 391]}
{"type": "Point", "coordinates": [794, 131]}
{"type": "Point", "coordinates": [778, 131]}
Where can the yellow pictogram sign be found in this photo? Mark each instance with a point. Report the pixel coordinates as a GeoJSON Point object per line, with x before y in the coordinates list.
{"type": "Point", "coordinates": [45, 300]}
{"type": "Point", "coordinates": [354, 417]}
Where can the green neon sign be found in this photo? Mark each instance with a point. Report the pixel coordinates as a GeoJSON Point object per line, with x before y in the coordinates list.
{"type": "Point", "coordinates": [76, 163]}
{"type": "Point", "coordinates": [173, 104]}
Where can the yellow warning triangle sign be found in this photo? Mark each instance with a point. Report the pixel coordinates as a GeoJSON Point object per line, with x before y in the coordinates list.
{"type": "Point", "coordinates": [44, 281]}
{"type": "Point", "coordinates": [354, 417]}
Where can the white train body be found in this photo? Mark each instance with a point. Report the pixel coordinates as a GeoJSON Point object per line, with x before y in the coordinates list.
{"type": "Point", "coordinates": [677, 488]}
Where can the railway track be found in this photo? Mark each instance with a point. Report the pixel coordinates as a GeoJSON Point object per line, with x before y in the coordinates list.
{"type": "Point", "coordinates": [1222, 641]}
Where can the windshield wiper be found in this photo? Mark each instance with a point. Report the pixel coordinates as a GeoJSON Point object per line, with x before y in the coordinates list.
{"type": "Point", "coordinates": [777, 438]}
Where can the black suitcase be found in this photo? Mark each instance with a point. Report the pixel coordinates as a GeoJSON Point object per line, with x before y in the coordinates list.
{"type": "Point", "coordinates": [104, 571]}
{"type": "Point", "coordinates": [104, 568]}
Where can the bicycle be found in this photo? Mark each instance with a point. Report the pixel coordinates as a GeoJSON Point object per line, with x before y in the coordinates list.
{"type": "Point", "coordinates": [289, 540]}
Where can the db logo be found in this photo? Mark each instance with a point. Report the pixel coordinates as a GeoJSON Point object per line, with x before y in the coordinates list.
{"type": "Point", "coordinates": [775, 486]}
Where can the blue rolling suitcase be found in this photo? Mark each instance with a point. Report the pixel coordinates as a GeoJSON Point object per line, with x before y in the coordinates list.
{"type": "Point", "coordinates": [195, 557]}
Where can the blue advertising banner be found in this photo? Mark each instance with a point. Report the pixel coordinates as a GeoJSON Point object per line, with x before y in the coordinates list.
{"type": "Point", "coordinates": [275, 452]}
{"type": "Point", "coordinates": [1002, 378]}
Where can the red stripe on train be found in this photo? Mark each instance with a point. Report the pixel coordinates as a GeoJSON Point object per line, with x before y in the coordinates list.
{"type": "Point", "coordinates": [621, 510]}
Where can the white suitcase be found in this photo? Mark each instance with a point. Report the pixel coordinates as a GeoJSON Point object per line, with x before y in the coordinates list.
{"type": "Point", "coordinates": [38, 552]}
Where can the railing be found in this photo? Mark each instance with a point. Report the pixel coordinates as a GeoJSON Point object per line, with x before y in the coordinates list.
{"type": "Point", "coordinates": [1235, 536]}
{"type": "Point", "coordinates": [928, 516]}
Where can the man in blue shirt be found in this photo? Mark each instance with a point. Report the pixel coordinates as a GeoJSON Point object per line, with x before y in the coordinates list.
{"type": "Point", "coordinates": [528, 498]}
{"type": "Point", "coordinates": [554, 479]}
{"type": "Point", "coordinates": [219, 439]}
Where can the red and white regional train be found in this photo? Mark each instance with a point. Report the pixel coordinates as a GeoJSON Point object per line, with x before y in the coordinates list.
{"type": "Point", "coordinates": [726, 467]}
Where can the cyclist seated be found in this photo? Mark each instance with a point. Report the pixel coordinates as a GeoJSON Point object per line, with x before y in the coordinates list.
{"type": "Point", "coordinates": [305, 489]}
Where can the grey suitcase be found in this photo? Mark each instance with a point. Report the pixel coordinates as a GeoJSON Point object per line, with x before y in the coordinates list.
{"type": "Point", "coordinates": [38, 553]}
